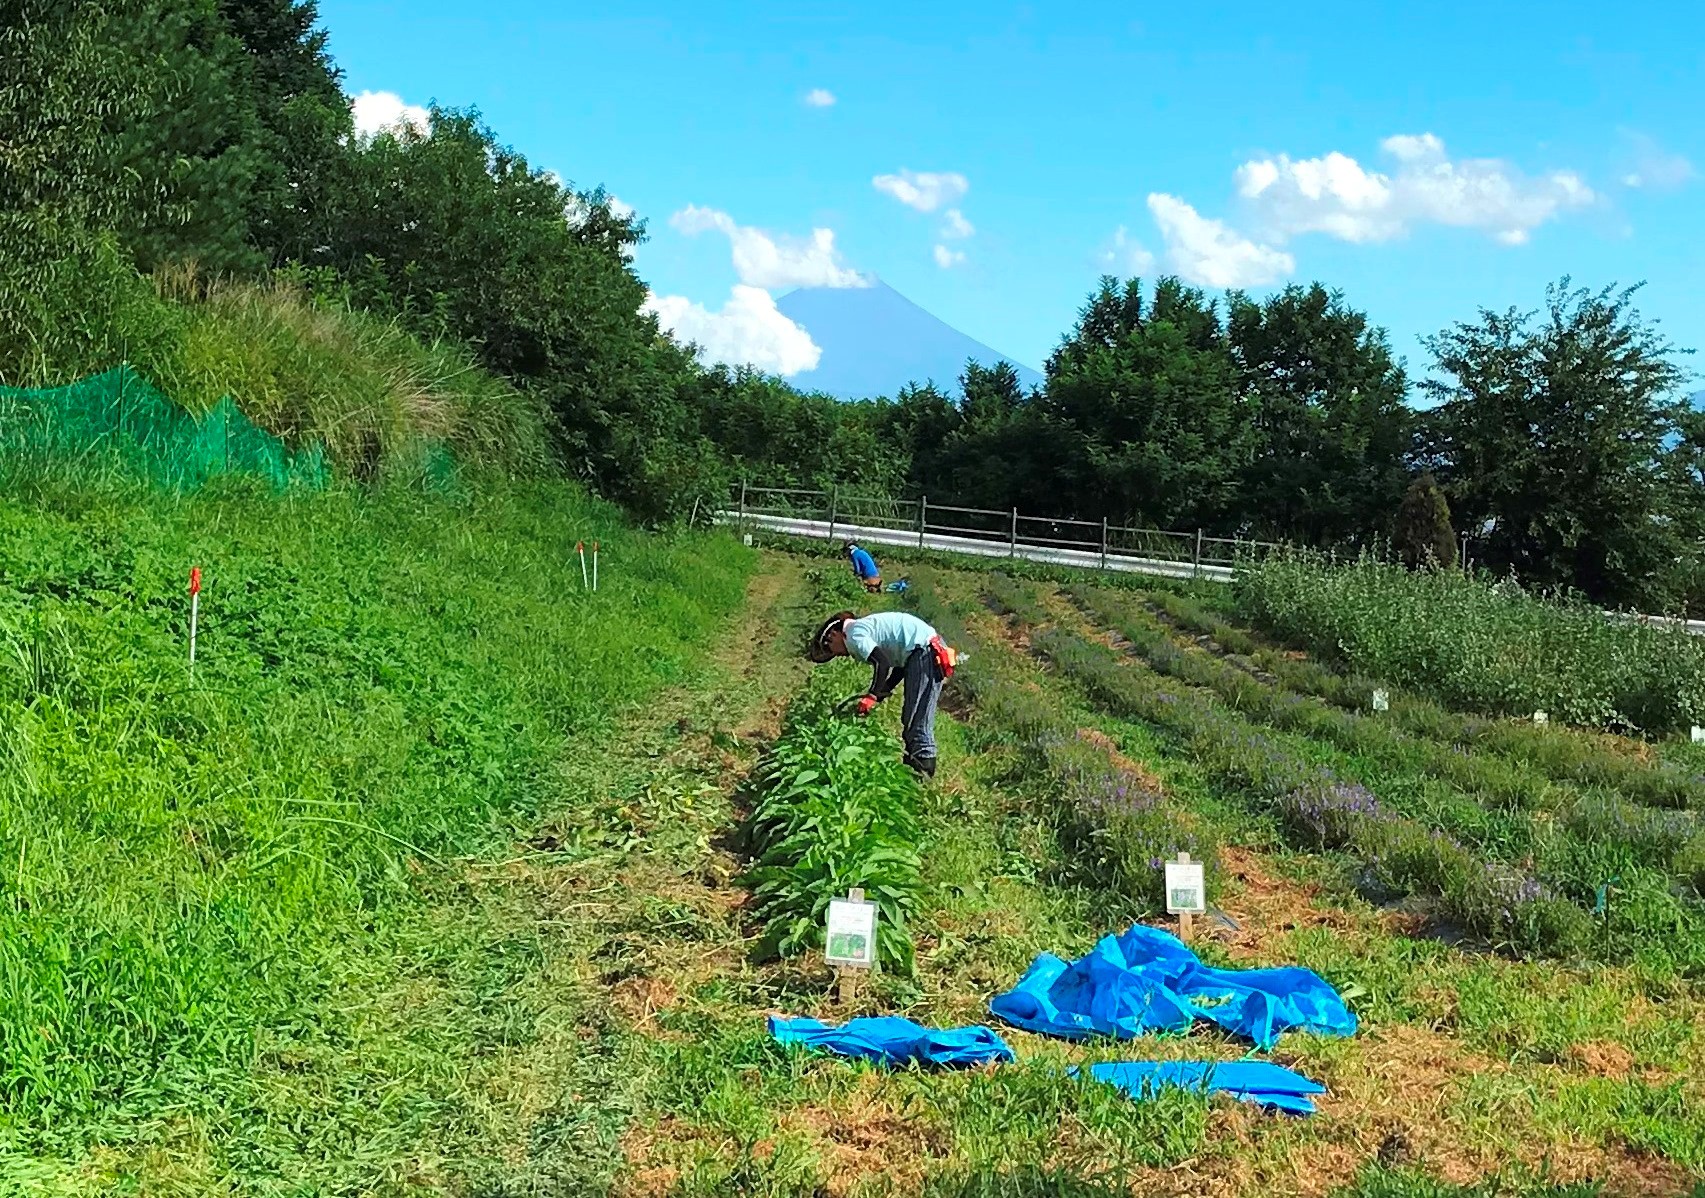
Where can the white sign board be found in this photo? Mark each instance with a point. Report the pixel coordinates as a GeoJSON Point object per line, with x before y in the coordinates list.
{"type": "Point", "coordinates": [748, 540]}
{"type": "Point", "coordinates": [1539, 717]}
{"type": "Point", "coordinates": [1186, 889]}
{"type": "Point", "coordinates": [850, 933]}
{"type": "Point", "coordinates": [1698, 735]}
{"type": "Point", "coordinates": [1381, 701]}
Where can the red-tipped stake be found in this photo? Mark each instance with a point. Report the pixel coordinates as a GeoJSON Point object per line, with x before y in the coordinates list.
{"type": "Point", "coordinates": [580, 548]}
{"type": "Point", "coordinates": [194, 612]}
{"type": "Point", "coordinates": [594, 565]}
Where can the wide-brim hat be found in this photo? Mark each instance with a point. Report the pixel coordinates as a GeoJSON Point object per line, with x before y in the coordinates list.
{"type": "Point", "coordinates": [818, 649]}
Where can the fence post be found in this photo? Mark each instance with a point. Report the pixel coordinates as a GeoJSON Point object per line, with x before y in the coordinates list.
{"type": "Point", "coordinates": [742, 520]}
{"type": "Point", "coordinates": [1014, 553]}
{"type": "Point", "coordinates": [1196, 564]}
{"type": "Point", "coordinates": [1104, 542]}
{"type": "Point", "coordinates": [834, 502]}
{"type": "Point", "coordinates": [923, 516]}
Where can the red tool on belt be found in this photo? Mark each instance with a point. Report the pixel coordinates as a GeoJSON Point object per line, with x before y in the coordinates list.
{"type": "Point", "coordinates": [945, 656]}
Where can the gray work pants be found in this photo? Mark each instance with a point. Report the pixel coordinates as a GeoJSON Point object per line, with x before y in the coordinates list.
{"type": "Point", "coordinates": [923, 680]}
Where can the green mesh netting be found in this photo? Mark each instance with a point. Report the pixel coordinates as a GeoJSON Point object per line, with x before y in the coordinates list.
{"type": "Point", "coordinates": [119, 417]}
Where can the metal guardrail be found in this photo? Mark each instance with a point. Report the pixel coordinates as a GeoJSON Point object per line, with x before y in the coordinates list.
{"type": "Point", "coordinates": [987, 532]}
{"type": "Point", "coordinates": [810, 513]}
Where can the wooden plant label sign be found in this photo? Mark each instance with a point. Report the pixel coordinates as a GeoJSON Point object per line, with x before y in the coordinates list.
{"type": "Point", "coordinates": [1381, 701]}
{"type": "Point", "coordinates": [1186, 888]}
{"type": "Point", "coordinates": [850, 933]}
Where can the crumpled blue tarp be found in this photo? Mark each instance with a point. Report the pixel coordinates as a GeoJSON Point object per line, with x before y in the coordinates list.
{"type": "Point", "coordinates": [899, 587]}
{"type": "Point", "coordinates": [1148, 980]}
{"type": "Point", "coordinates": [891, 1040]}
{"type": "Point", "coordinates": [1253, 1081]}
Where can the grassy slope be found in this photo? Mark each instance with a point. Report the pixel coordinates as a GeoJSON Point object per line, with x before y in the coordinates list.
{"type": "Point", "coordinates": [243, 932]}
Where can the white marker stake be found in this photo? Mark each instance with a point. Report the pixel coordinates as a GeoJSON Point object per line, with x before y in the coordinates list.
{"type": "Point", "coordinates": [594, 565]}
{"type": "Point", "coordinates": [1540, 717]}
{"type": "Point", "coordinates": [1186, 893]}
{"type": "Point", "coordinates": [1381, 701]}
{"type": "Point", "coordinates": [580, 548]}
{"type": "Point", "coordinates": [1698, 735]}
{"type": "Point", "coordinates": [849, 940]}
{"type": "Point", "coordinates": [194, 612]}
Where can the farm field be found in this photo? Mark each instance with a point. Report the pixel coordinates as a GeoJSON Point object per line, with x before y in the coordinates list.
{"type": "Point", "coordinates": [447, 876]}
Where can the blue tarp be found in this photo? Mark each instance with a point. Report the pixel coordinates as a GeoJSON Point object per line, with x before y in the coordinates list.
{"type": "Point", "coordinates": [1253, 1081]}
{"type": "Point", "coordinates": [1148, 980]}
{"type": "Point", "coordinates": [890, 1040]}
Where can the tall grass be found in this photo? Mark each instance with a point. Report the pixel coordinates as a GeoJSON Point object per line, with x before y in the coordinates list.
{"type": "Point", "coordinates": [361, 385]}
{"type": "Point", "coordinates": [384, 684]}
{"type": "Point", "coordinates": [306, 371]}
{"type": "Point", "coordinates": [1481, 647]}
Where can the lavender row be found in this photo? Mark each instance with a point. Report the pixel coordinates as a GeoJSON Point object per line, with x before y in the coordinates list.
{"type": "Point", "coordinates": [1665, 840]}
{"type": "Point", "coordinates": [1560, 753]}
{"type": "Point", "coordinates": [1322, 810]}
{"type": "Point", "coordinates": [1117, 822]}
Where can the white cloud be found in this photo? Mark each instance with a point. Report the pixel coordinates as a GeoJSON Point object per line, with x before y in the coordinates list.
{"type": "Point", "coordinates": [378, 111]}
{"type": "Point", "coordinates": [763, 260]}
{"type": "Point", "coordinates": [820, 97]}
{"type": "Point", "coordinates": [1207, 253]}
{"type": "Point", "coordinates": [1653, 167]}
{"type": "Point", "coordinates": [618, 209]}
{"type": "Point", "coordinates": [954, 224]}
{"type": "Point", "coordinates": [945, 257]}
{"type": "Point", "coordinates": [1339, 197]}
{"type": "Point", "coordinates": [1126, 256]}
{"type": "Point", "coordinates": [748, 331]}
{"type": "Point", "coordinates": [924, 190]}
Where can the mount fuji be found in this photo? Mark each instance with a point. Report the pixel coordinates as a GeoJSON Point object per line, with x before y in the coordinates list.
{"type": "Point", "coordinates": [875, 341]}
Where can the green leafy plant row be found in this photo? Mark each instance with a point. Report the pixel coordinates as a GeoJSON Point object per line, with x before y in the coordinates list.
{"type": "Point", "coordinates": [836, 809]}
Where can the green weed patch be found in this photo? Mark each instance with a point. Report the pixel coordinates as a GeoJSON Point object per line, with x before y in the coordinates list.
{"type": "Point", "coordinates": [385, 685]}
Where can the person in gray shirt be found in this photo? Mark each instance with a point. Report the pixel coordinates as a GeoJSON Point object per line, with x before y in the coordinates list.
{"type": "Point", "coordinates": [900, 648]}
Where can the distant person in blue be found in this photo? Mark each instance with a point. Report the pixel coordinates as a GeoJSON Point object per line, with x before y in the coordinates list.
{"type": "Point", "coordinates": [864, 567]}
{"type": "Point", "coordinates": [900, 647]}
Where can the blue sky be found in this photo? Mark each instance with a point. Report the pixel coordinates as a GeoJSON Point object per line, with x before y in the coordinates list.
{"type": "Point", "coordinates": [991, 160]}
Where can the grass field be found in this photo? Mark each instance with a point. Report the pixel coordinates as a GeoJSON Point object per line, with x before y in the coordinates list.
{"type": "Point", "coordinates": [444, 877]}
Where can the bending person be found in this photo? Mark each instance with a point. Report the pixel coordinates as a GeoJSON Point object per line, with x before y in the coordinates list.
{"type": "Point", "coordinates": [864, 567]}
{"type": "Point", "coordinates": [901, 649]}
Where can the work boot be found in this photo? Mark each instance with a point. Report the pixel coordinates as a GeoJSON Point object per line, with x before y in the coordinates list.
{"type": "Point", "coordinates": [923, 765]}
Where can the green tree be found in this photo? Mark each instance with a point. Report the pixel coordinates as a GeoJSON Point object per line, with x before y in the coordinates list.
{"type": "Point", "coordinates": [302, 116]}
{"type": "Point", "coordinates": [1332, 428]}
{"type": "Point", "coordinates": [459, 235]}
{"type": "Point", "coordinates": [1148, 398]}
{"type": "Point", "coordinates": [125, 141]}
{"type": "Point", "coordinates": [126, 116]}
{"type": "Point", "coordinates": [1423, 534]}
{"type": "Point", "coordinates": [1559, 435]}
